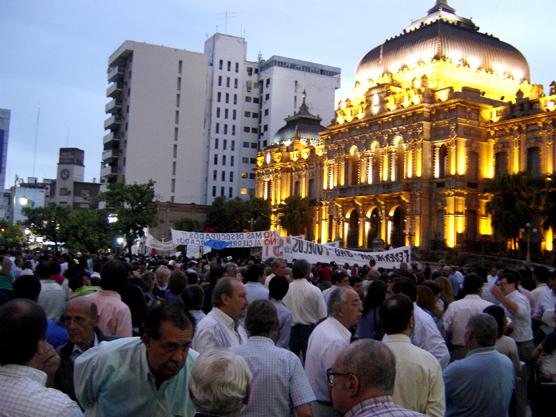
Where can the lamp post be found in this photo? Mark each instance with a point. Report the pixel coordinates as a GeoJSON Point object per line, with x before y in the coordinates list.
{"type": "Point", "coordinates": [528, 231]}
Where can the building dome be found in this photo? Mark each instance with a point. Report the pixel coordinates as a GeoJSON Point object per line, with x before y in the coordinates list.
{"type": "Point", "coordinates": [302, 125]}
{"type": "Point", "coordinates": [443, 35]}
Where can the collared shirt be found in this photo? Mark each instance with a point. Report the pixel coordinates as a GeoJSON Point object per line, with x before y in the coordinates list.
{"type": "Point", "coordinates": [255, 291]}
{"type": "Point", "coordinates": [52, 299]}
{"type": "Point", "coordinates": [114, 379]}
{"type": "Point", "coordinates": [380, 407]}
{"type": "Point", "coordinates": [197, 315]}
{"type": "Point", "coordinates": [479, 385]}
{"type": "Point", "coordinates": [419, 385]}
{"type": "Point", "coordinates": [279, 381]}
{"type": "Point", "coordinates": [327, 340]}
{"type": "Point", "coordinates": [522, 319]}
{"type": "Point", "coordinates": [114, 316]}
{"type": "Point", "coordinates": [285, 320]}
{"type": "Point", "coordinates": [327, 293]}
{"type": "Point", "coordinates": [305, 302]}
{"type": "Point", "coordinates": [427, 336]}
{"type": "Point", "coordinates": [218, 330]}
{"type": "Point", "coordinates": [23, 393]}
{"type": "Point", "coordinates": [544, 307]}
{"type": "Point", "coordinates": [458, 313]}
{"type": "Point", "coordinates": [76, 351]}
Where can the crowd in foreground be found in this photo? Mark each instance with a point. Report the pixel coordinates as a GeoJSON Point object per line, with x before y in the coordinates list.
{"type": "Point", "coordinates": [153, 336]}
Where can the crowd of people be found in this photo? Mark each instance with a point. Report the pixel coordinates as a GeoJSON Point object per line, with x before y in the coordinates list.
{"type": "Point", "coordinates": [96, 335]}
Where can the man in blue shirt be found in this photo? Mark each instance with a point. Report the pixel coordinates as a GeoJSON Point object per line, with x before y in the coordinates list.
{"type": "Point", "coordinates": [140, 377]}
{"type": "Point", "coordinates": [254, 285]}
{"type": "Point", "coordinates": [482, 383]}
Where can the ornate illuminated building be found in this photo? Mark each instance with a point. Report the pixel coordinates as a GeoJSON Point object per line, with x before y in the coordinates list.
{"type": "Point", "coordinates": [434, 113]}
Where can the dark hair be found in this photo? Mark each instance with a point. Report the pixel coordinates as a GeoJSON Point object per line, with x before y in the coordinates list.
{"type": "Point", "coordinates": [75, 282]}
{"type": "Point", "coordinates": [541, 273]}
{"type": "Point", "coordinates": [338, 276]}
{"type": "Point", "coordinates": [223, 286]}
{"type": "Point", "coordinates": [254, 273]}
{"type": "Point", "coordinates": [376, 293]}
{"type": "Point", "coordinates": [472, 283]}
{"type": "Point", "coordinates": [215, 274]}
{"type": "Point", "coordinates": [354, 280]}
{"type": "Point", "coordinates": [300, 269]}
{"type": "Point", "coordinates": [22, 326]}
{"type": "Point", "coordinates": [193, 297]}
{"type": "Point", "coordinates": [406, 286]}
{"type": "Point", "coordinates": [261, 318]}
{"type": "Point", "coordinates": [278, 287]}
{"type": "Point", "coordinates": [499, 315]}
{"type": "Point", "coordinates": [113, 275]}
{"type": "Point", "coordinates": [45, 269]}
{"type": "Point", "coordinates": [396, 312]}
{"type": "Point", "coordinates": [178, 281]}
{"type": "Point", "coordinates": [510, 276]}
{"type": "Point", "coordinates": [27, 286]}
{"type": "Point", "coordinates": [173, 313]}
{"type": "Point", "coordinates": [192, 277]}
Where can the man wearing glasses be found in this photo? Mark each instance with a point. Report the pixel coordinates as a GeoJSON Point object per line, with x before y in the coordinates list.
{"type": "Point", "coordinates": [361, 381]}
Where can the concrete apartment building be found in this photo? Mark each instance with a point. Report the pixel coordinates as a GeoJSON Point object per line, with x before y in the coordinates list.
{"type": "Point", "coordinates": [4, 135]}
{"type": "Point", "coordinates": [193, 122]}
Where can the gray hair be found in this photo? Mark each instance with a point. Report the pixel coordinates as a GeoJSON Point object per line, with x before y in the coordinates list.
{"type": "Point", "coordinates": [219, 382]}
{"type": "Point", "coordinates": [372, 362]}
{"type": "Point", "coordinates": [338, 298]}
{"type": "Point", "coordinates": [163, 269]}
{"type": "Point", "coordinates": [223, 286]}
{"type": "Point", "coordinates": [276, 262]}
{"type": "Point", "coordinates": [301, 269]}
{"type": "Point", "coordinates": [230, 266]}
{"type": "Point", "coordinates": [484, 329]}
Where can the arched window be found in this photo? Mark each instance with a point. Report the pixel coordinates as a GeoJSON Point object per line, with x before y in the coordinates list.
{"type": "Point", "coordinates": [500, 164]}
{"type": "Point", "coordinates": [534, 162]}
{"type": "Point", "coordinates": [353, 231]}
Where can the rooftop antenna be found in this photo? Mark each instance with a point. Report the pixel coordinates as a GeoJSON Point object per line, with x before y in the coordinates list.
{"type": "Point", "coordinates": [36, 139]}
{"type": "Point", "coordinates": [226, 16]}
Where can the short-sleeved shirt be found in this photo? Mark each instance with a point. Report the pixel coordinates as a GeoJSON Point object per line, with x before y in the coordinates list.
{"type": "Point", "coordinates": [521, 321]}
{"type": "Point", "coordinates": [279, 381]}
{"type": "Point", "coordinates": [218, 330]}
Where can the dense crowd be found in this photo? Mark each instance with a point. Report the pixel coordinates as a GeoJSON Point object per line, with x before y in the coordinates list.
{"type": "Point", "coordinates": [169, 336]}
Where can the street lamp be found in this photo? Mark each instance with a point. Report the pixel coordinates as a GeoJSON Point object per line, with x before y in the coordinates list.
{"type": "Point", "coordinates": [112, 218]}
{"type": "Point", "coordinates": [528, 231]}
{"type": "Point", "coordinates": [23, 201]}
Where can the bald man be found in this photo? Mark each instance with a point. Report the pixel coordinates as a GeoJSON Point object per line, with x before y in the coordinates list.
{"type": "Point", "coordinates": [81, 319]}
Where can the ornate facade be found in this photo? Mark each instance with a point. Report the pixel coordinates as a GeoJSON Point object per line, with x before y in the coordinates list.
{"type": "Point", "coordinates": [434, 113]}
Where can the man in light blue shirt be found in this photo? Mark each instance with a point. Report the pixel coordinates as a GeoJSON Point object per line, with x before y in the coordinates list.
{"type": "Point", "coordinates": [254, 285]}
{"type": "Point", "coordinates": [280, 386]}
{"type": "Point", "coordinates": [482, 383]}
{"type": "Point", "coordinates": [140, 377]}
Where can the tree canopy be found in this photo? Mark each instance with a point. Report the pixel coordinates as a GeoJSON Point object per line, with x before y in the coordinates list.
{"type": "Point", "coordinates": [295, 214]}
{"type": "Point", "coordinates": [237, 215]}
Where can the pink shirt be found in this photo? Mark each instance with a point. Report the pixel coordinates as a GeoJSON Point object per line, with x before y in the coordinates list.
{"type": "Point", "coordinates": [114, 316]}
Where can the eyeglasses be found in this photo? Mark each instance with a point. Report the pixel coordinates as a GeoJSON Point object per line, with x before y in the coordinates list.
{"type": "Point", "coordinates": [331, 376]}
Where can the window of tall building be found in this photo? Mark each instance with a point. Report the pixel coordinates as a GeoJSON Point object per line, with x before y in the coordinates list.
{"type": "Point", "coordinates": [174, 168]}
{"type": "Point", "coordinates": [224, 144]}
{"type": "Point", "coordinates": [267, 83]}
{"type": "Point", "coordinates": [215, 159]}
{"type": "Point", "coordinates": [254, 145]}
{"type": "Point", "coordinates": [255, 115]}
{"type": "Point", "coordinates": [264, 143]}
{"type": "Point", "coordinates": [214, 190]}
{"type": "Point", "coordinates": [175, 153]}
{"type": "Point", "coordinates": [175, 134]}
{"type": "Point", "coordinates": [235, 98]}
{"type": "Point", "coordinates": [177, 116]}
{"type": "Point", "coordinates": [232, 160]}
{"type": "Point", "coordinates": [179, 84]}
{"type": "Point", "coordinates": [233, 130]}
{"type": "Point", "coordinates": [253, 160]}
{"type": "Point", "coordinates": [171, 199]}
{"type": "Point", "coordinates": [246, 129]}
{"type": "Point", "coordinates": [254, 130]}
{"type": "Point", "coordinates": [267, 97]}
{"type": "Point", "coordinates": [249, 71]}
{"type": "Point", "coordinates": [229, 66]}
{"type": "Point", "coordinates": [223, 159]}
{"type": "Point", "coordinates": [231, 176]}
{"type": "Point", "coordinates": [217, 128]}
{"type": "Point", "coordinates": [245, 144]}
{"type": "Point", "coordinates": [251, 176]}
{"type": "Point", "coordinates": [233, 145]}
{"type": "Point", "coordinates": [218, 112]}
{"type": "Point", "coordinates": [220, 64]}
{"type": "Point", "coordinates": [235, 82]}
{"type": "Point", "coordinates": [218, 97]}
{"type": "Point", "coordinates": [237, 66]}
{"type": "Point", "coordinates": [265, 128]}
{"type": "Point", "coordinates": [177, 100]}
{"type": "Point", "coordinates": [216, 143]}
{"type": "Point", "coordinates": [173, 185]}
{"type": "Point", "coordinates": [255, 99]}
{"type": "Point", "coordinates": [266, 112]}
{"type": "Point", "coordinates": [223, 175]}
{"type": "Point", "coordinates": [247, 114]}
{"type": "Point", "coordinates": [225, 113]}
{"type": "Point", "coordinates": [221, 191]}
{"type": "Point", "coordinates": [227, 97]}
{"type": "Point", "coordinates": [228, 82]}
{"type": "Point", "coordinates": [230, 192]}
{"type": "Point", "coordinates": [243, 191]}
{"type": "Point", "coordinates": [247, 99]}
{"type": "Point", "coordinates": [245, 160]}
{"type": "Point", "coordinates": [234, 114]}
{"type": "Point", "coordinates": [180, 66]}
{"type": "Point", "coordinates": [219, 81]}
{"type": "Point", "coordinates": [214, 175]}
{"type": "Point", "coordinates": [225, 129]}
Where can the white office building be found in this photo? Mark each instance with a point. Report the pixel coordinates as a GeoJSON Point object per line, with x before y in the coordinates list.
{"type": "Point", "coordinates": [193, 122]}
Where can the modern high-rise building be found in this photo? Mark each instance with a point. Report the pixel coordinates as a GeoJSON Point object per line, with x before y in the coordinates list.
{"type": "Point", "coordinates": [193, 122]}
{"type": "Point", "coordinates": [4, 135]}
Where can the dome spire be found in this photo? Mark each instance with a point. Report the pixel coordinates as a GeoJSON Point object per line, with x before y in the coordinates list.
{"type": "Point", "coordinates": [442, 5]}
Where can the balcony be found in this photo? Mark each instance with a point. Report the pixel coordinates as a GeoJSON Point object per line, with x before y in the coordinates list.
{"type": "Point", "coordinates": [110, 137]}
{"type": "Point", "coordinates": [108, 171]}
{"type": "Point", "coordinates": [110, 154]}
{"type": "Point", "coordinates": [114, 73]}
{"type": "Point", "coordinates": [368, 189]}
{"type": "Point", "coordinates": [113, 106]}
{"type": "Point", "coordinates": [112, 122]}
{"type": "Point", "coordinates": [114, 89]}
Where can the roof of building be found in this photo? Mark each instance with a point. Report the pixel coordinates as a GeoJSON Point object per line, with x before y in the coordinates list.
{"type": "Point", "coordinates": [302, 125]}
{"type": "Point", "coordinates": [443, 35]}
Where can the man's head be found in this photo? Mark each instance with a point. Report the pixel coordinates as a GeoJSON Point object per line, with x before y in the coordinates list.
{"type": "Point", "coordinates": [279, 266]}
{"type": "Point", "coordinates": [363, 370]}
{"type": "Point", "coordinates": [27, 286]}
{"type": "Point", "coordinates": [230, 270]}
{"type": "Point", "coordinates": [278, 287]}
{"type": "Point", "coordinates": [301, 269]}
{"type": "Point", "coordinates": [162, 276]}
{"type": "Point", "coordinates": [193, 297]}
{"type": "Point", "coordinates": [357, 284]}
{"type": "Point", "coordinates": [167, 337]}
{"type": "Point", "coordinates": [541, 274]}
{"type": "Point", "coordinates": [397, 315]}
{"type": "Point", "coordinates": [113, 275]}
{"type": "Point", "coordinates": [507, 282]}
{"type": "Point", "coordinates": [46, 268]}
{"type": "Point", "coordinates": [255, 273]}
{"type": "Point", "coordinates": [22, 330]}
{"type": "Point", "coordinates": [261, 318]}
{"type": "Point", "coordinates": [81, 318]}
{"type": "Point", "coordinates": [229, 296]}
{"type": "Point", "coordinates": [472, 284]}
{"type": "Point", "coordinates": [404, 285]}
{"type": "Point", "coordinates": [481, 331]}
{"type": "Point", "coordinates": [219, 383]}
{"type": "Point", "coordinates": [345, 306]}
{"type": "Point", "coordinates": [340, 278]}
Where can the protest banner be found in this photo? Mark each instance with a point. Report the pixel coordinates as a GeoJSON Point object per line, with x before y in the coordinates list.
{"type": "Point", "coordinates": [233, 240]}
{"type": "Point", "coordinates": [153, 243]}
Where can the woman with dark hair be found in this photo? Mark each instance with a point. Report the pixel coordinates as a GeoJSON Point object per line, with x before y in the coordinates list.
{"type": "Point", "coordinates": [370, 326]}
{"type": "Point", "coordinates": [178, 281]}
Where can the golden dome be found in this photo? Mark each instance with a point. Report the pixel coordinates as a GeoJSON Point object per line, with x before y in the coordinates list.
{"type": "Point", "coordinates": [443, 35]}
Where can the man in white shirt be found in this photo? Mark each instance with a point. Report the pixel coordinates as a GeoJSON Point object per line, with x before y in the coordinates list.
{"type": "Point", "coordinates": [52, 297]}
{"type": "Point", "coordinates": [519, 310]}
{"type": "Point", "coordinates": [278, 267]}
{"type": "Point", "coordinates": [459, 312]}
{"type": "Point", "coordinates": [419, 385]}
{"type": "Point", "coordinates": [544, 303]}
{"type": "Point", "coordinates": [306, 304]}
{"type": "Point", "coordinates": [327, 340]}
{"type": "Point", "coordinates": [220, 328]}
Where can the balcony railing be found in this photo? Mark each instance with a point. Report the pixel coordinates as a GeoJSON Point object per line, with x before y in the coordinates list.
{"type": "Point", "coordinates": [113, 106]}
{"type": "Point", "coordinates": [112, 122]}
{"type": "Point", "coordinates": [110, 154]}
{"type": "Point", "coordinates": [110, 137]}
{"type": "Point", "coordinates": [114, 89]}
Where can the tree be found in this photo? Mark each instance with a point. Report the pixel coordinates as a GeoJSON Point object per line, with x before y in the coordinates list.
{"type": "Point", "coordinates": [547, 202]}
{"type": "Point", "coordinates": [87, 230]}
{"type": "Point", "coordinates": [237, 215]}
{"type": "Point", "coordinates": [259, 212]}
{"type": "Point", "coordinates": [134, 207]}
{"type": "Point", "coordinates": [11, 235]}
{"type": "Point", "coordinates": [295, 214]}
{"type": "Point", "coordinates": [512, 204]}
{"type": "Point", "coordinates": [47, 222]}
{"type": "Point", "coordinates": [187, 224]}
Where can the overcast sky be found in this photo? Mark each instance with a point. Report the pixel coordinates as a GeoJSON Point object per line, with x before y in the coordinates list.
{"type": "Point", "coordinates": [53, 53]}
